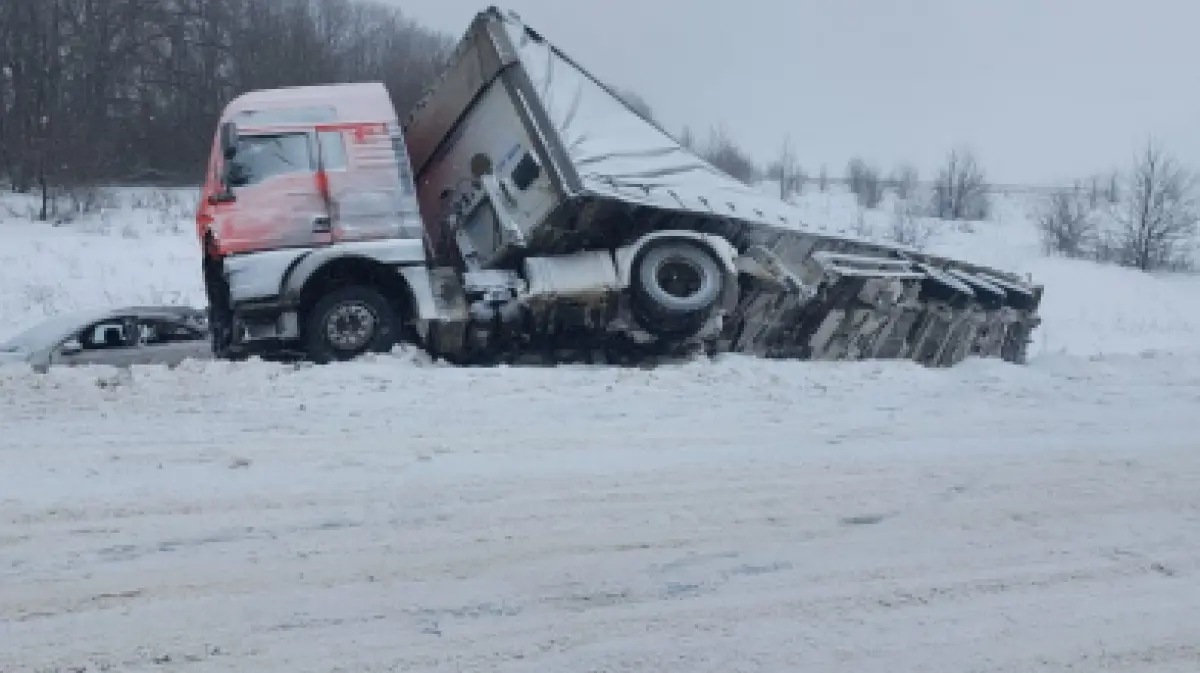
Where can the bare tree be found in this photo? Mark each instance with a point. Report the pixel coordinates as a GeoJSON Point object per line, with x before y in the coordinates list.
{"type": "Point", "coordinates": [688, 139]}
{"type": "Point", "coordinates": [93, 91]}
{"type": "Point", "coordinates": [865, 183]}
{"type": "Point", "coordinates": [823, 179]}
{"type": "Point", "coordinates": [637, 103]}
{"type": "Point", "coordinates": [907, 227]}
{"type": "Point", "coordinates": [727, 156]}
{"type": "Point", "coordinates": [1094, 192]}
{"type": "Point", "coordinates": [787, 171]}
{"type": "Point", "coordinates": [1160, 216]}
{"type": "Point", "coordinates": [903, 181]}
{"type": "Point", "coordinates": [1113, 191]}
{"type": "Point", "coordinates": [1067, 222]}
{"type": "Point", "coordinates": [960, 192]}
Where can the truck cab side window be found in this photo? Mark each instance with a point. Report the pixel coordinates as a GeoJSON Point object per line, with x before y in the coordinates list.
{"type": "Point", "coordinates": [265, 156]}
{"type": "Point", "coordinates": [333, 150]}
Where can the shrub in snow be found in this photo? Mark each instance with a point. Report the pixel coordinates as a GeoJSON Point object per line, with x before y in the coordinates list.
{"type": "Point", "coordinates": [960, 192]}
{"type": "Point", "coordinates": [726, 155]}
{"type": "Point", "coordinates": [1068, 223]}
{"type": "Point", "coordinates": [1158, 220]}
{"type": "Point", "coordinates": [787, 172]}
{"type": "Point", "coordinates": [908, 227]}
{"type": "Point", "coordinates": [1149, 223]}
{"type": "Point", "coordinates": [861, 227]}
{"type": "Point", "coordinates": [865, 183]}
{"type": "Point", "coordinates": [903, 182]}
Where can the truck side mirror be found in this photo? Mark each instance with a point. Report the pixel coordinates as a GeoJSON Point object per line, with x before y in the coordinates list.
{"type": "Point", "coordinates": [228, 140]}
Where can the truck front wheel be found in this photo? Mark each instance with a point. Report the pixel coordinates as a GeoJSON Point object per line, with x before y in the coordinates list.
{"type": "Point", "coordinates": [348, 322]}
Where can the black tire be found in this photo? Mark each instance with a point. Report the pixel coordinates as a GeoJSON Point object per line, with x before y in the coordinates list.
{"type": "Point", "coordinates": [676, 283]}
{"type": "Point", "coordinates": [220, 318]}
{"type": "Point", "coordinates": [347, 323]}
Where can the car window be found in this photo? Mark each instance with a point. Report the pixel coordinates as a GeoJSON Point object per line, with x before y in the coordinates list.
{"type": "Point", "coordinates": [154, 332]}
{"type": "Point", "coordinates": [261, 157]}
{"type": "Point", "coordinates": [106, 335]}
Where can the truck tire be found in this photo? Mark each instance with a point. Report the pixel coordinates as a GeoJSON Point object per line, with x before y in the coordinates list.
{"type": "Point", "coordinates": [220, 317]}
{"type": "Point", "coordinates": [676, 283]}
{"type": "Point", "coordinates": [348, 322]}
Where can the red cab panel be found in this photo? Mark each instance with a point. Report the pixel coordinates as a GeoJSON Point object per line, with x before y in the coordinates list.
{"type": "Point", "coordinates": [313, 166]}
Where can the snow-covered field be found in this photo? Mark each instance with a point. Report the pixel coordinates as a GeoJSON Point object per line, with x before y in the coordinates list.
{"type": "Point", "coordinates": [140, 247]}
{"type": "Point", "coordinates": [737, 515]}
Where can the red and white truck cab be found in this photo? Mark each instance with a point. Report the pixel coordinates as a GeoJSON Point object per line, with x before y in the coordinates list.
{"type": "Point", "coordinates": [308, 220]}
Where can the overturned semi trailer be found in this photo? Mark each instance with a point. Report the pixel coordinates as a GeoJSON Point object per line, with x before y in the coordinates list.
{"type": "Point", "coordinates": [536, 182]}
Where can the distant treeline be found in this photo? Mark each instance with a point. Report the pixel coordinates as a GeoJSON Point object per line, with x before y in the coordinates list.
{"type": "Point", "coordinates": [95, 91]}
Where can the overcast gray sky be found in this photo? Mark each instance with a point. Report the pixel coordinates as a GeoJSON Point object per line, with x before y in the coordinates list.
{"type": "Point", "coordinates": [1041, 89]}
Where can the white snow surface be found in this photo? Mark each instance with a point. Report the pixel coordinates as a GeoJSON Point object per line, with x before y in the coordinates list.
{"type": "Point", "coordinates": [138, 247]}
{"type": "Point", "coordinates": [737, 515]}
{"type": "Point", "coordinates": [730, 515]}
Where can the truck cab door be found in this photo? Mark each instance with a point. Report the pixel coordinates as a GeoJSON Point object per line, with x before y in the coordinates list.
{"type": "Point", "coordinates": [276, 200]}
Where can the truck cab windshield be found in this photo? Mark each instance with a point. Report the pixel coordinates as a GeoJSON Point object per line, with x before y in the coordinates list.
{"type": "Point", "coordinates": [264, 156]}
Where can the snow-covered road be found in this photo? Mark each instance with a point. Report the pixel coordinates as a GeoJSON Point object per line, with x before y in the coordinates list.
{"type": "Point", "coordinates": [740, 515]}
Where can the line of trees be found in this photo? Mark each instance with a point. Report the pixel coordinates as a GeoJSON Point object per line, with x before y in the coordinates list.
{"type": "Point", "coordinates": [959, 192]}
{"type": "Point", "coordinates": [129, 90]}
{"type": "Point", "coordinates": [1146, 217]}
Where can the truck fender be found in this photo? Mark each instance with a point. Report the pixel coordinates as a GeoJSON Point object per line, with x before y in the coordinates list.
{"type": "Point", "coordinates": [721, 248]}
{"type": "Point", "coordinates": [392, 252]}
{"type": "Point", "coordinates": [421, 287]}
{"type": "Point", "coordinates": [260, 276]}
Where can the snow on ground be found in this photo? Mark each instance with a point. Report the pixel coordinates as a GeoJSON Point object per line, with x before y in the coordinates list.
{"type": "Point", "coordinates": [138, 246]}
{"type": "Point", "coordinates": [740, 515]}
{"type": "Point", "coordinates": [737, 515]}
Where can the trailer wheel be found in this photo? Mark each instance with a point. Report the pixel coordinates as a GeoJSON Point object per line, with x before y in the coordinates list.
{"type": "Point", "coordinates": [349, 322]}
{"type": "Point", "coordinates": [676, 283]}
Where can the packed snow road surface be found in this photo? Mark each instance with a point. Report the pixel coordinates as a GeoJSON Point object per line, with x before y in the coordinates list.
{"type": "Point", "coordinates": [740, 515]}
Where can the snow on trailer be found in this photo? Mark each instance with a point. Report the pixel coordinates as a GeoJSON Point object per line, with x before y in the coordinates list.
{"type": "Point", "coordinates": [576, 167]}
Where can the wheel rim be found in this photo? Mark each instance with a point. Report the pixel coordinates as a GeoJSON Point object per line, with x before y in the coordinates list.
{"type": "Point", "coordinates": [350, 326]}
{"type": "Point", "coordinates": [679, 277]}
